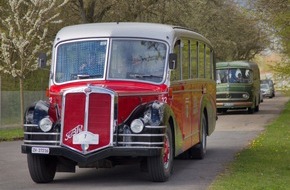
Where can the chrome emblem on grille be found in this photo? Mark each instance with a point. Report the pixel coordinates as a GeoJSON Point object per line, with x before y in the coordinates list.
{"type": "Point", "coordinates": [73, 132]}
{"type": "Point", "coordinates": [87, 90]}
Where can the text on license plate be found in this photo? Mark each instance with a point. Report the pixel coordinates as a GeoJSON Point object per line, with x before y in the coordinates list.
{"type": "Point", "coordinates": [39, 150]}
{"type": "Point", "coordinates": [228, 104]}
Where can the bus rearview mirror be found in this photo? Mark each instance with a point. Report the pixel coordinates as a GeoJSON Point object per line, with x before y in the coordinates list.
{"type": "Point", "coordinates": [42, 58]}
{"type": "Point", "coordinates": [172, 60]}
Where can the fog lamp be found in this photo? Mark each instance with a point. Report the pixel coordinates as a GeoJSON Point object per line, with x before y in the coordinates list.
{"type": "Point", "coordinates": [245, 96]}
{"type": "Point", "coordinates": [137, 125]}
{"type": "Point", "coordinates": [45, 124]}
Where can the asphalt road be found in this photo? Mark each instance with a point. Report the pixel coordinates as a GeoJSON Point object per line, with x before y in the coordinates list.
{"type": "Point", "coordinates": [234, 131]}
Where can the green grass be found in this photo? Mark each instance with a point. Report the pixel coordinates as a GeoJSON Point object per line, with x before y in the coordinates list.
{"type": "Point", "coordinates": [265, 164]}
{"type": "Point", "coordinates": [11, 134]}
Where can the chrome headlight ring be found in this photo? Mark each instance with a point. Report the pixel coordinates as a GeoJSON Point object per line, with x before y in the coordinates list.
{"type": "Point", "coordinates": [137, 125]}
{"type": "Point", "coordinates": [245, 96]}
{"type": "Point", "coordinates": [45, 124]}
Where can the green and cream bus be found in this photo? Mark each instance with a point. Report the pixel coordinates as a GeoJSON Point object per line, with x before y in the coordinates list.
{"type": "Point", "coordinates": [238, 86]}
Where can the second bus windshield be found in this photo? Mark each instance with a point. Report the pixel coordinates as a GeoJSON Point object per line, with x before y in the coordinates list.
{"type": "Point", "coordinates": [233, 75]}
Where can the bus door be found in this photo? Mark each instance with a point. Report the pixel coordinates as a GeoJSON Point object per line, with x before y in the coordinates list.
{"type": "Point", "coordinates": [181, 103]}
{"type": "Point", "coordinates": [187, 114]}
{"type": "Point", "coordinates": [196, 95]}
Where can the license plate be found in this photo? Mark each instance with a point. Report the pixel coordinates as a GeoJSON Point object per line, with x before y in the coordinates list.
{"type": "Point", "coordinates": [228, 104]}
{"type": "Point", "coordinates": [39, 150]}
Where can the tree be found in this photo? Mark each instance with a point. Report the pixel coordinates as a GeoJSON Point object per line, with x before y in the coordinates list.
{"type": "Point", "coordinates": [276, 13]}
{"type": "Point", "coordinates": [90, 11]}
{"type": "Point", "coordinates": [24, 31]}
{"type": "Point", "coordinates": [235, 32]}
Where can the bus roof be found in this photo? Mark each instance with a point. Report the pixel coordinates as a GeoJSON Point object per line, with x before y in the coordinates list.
{"type": "Point", "coordinates": [236, 64]}
{"type": "Point", "coordinates": [126, 29]}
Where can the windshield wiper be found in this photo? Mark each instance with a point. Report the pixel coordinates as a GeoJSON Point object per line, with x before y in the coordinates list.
{"type": "Point", "coordinates": [135, 75]}
{"type": "Point", "coordinates": [82, 76]}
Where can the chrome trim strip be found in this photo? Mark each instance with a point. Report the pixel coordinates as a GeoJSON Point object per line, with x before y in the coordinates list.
{"type": "Point", "coordinates": [145, 147]}
{"type": "Point", "coordinates": [38, 145]}
{"type": "Point", "coordinates": [30, 125]}
{"type": "Point", "coordinates": [144, 94]}
{"type": "Point", "coordinates": [154, 127]}
{"type": "Point", "coordinates": [140, 135]}
{"type": "Point", "coordinates": [229, 99]}
{"type": "Point", "coordinates": [40, 133]}
{"type": "Point", "coordinates": [33, 141]}
{"type": "Point", "coordinates": [182, 91]}
{"type": "Point", "coordinates": [146, 143]}
{"type": "Point", "coordinates": [86, 114]}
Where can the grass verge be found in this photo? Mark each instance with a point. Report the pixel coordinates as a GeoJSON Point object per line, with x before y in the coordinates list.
{"type": "Point", "coordinates": [265, 164]}
{"type": "Point", "coordinates": [11, 134]}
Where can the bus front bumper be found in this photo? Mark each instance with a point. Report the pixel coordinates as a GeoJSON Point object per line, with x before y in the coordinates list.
{"type": "Point", "coordinates": [233, 105]}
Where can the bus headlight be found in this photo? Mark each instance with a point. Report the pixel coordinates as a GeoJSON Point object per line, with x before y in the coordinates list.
{"type": "Point", "coordinates": [245, 96]}
{"type": "Point", "coordinates": [137, 125]}
{"type": "Point", "coordinates": [45, 124]}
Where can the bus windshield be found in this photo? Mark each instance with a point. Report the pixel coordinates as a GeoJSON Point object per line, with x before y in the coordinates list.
{"type": "Point", "coordinates": [137, 60]}
{"type": "Point", "coordinates": [234, 75]}
{"type": "Point", "coordinates": [128, 60]}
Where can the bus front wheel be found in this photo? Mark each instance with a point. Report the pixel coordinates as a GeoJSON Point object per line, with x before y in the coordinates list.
{"type": "Point", "coordinates": [160, 167]}
{"type": "Point", "coordinates": [42, 168]}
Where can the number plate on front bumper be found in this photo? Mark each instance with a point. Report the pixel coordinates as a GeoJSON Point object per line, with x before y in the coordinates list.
{"type": "Point", "coordinates": [228, 104]}
{"type": "Point", "coordinates": [39, 150]}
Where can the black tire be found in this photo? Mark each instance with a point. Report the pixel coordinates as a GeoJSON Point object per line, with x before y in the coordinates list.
{"type": "Point", "coordinates": [42, 168]}
{"type": "Point", "coordinates": [160, 167]}
{"type": "Point", "coordinates": [199, 150]}
{"type": "Point", "coordinates": [257, 108]}
{"type": "Point", "coordinates": [222, 110]}
{"type": "Point", "coordinates": [250, 110]}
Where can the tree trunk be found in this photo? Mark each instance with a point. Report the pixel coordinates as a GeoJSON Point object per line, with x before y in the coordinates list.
{"type": "Point", "coordinates": [21, 101]}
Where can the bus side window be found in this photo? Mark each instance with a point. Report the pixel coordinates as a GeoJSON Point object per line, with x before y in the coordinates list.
{"type": "Point", "coordinates": [208, 63]}
{"type": "Point", "coordinates": [176, 73]}
{"type": "Point", "coordinates": [201, 60]}
{"type": "Point", "coordinates": [185, 59]}
{"type": "Point", "coordinates": [193, 58]}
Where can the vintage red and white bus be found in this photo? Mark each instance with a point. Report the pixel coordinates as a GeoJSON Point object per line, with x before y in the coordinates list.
{"type": "Point", "coordinates": [120, 93]}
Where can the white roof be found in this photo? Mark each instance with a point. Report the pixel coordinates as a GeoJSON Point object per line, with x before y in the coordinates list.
{"type": "Point", "coordinates": [124, 29]}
